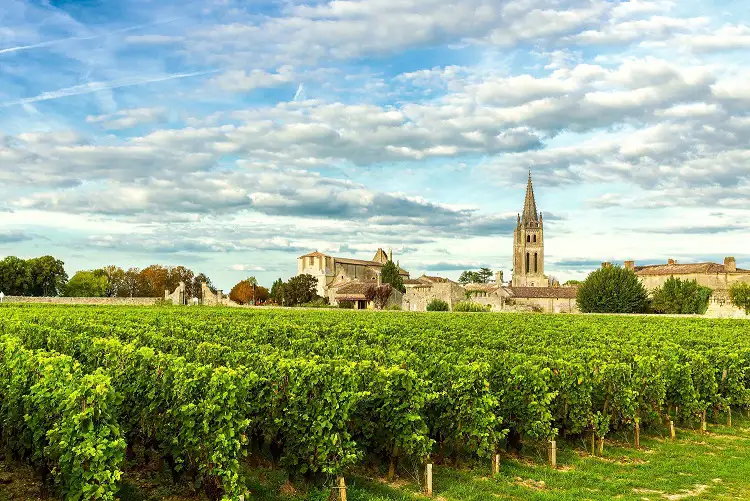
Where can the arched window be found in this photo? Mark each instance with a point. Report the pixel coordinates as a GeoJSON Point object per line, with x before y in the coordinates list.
{"type": "Point", "coordinates": [527, 262]}
{"type": "Point", "coordinates": [536, 270]}
{"type": "Point", "coordinates": [528, 238]}
{"type": "Point", "coordinates": [534, 238]}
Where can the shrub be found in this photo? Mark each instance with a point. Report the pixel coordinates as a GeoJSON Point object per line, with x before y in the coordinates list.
{"type": "Point", "coordinates": [320, 302]}
{"type": "Point", "coordinates": [739, 294]}
{"type": "Point", "coordinates": [469, 306]}
{"type": "Point", "coordinates": [382, 295]}
{"type": "Point", "coordinates": [438, 305]}
{"type": "Point", "coordinates": [346, 305]}
{"type": "Point", "coordinates": [612, 289]}
{"type": "Point", "coordinates": [394, 307]}
{"type": "Point", "coordinates": [678, 296]}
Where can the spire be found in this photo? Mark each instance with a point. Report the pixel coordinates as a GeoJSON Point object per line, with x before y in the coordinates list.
{"type": "Point", "coordinates": [529, 205]}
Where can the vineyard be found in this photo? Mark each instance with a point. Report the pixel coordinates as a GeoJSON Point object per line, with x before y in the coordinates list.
{"type": "Point", "coordinates": [323, 392]}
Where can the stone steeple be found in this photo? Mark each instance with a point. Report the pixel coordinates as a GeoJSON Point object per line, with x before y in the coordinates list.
{"type": "Point", "coordinates": [528, 244]}
{"type": "Point", "coordinates": [529, 206]}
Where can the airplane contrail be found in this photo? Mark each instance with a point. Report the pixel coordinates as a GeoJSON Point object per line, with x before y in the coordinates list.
{"type": "Point", "coordinates": [90, 37]}
{"type": "Point", "coordinates": [92, 87]}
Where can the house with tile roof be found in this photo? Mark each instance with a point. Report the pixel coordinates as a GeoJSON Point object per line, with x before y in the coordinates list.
{"type": "Point", "coordinates": [333, 273]}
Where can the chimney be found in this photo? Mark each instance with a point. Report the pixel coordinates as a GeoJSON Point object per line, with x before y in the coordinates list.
{"type": "Point", "coordinates": [671, 261]}
{"type": "Point", "coordinates": [630, 265]}
{"type": "Point", "coordinates": [390, 254]}
{"type": "Point", "coordinates": [730, 264]}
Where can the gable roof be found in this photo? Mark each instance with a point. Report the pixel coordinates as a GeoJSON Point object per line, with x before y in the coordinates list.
{"type": "Point", "coordinates": [683, 269]}
{"type": "Point", "coordinates": [315, 254]}
{"type": "Point", "coordinates": [543, 292]}
{"type": "Point", "coordinates": [481, 287]}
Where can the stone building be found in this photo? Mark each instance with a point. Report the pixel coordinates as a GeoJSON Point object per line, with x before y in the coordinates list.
{"type": "Point", "coordinates": [356, 292]}
{"type": "Point", "coordinates": [333, 273]}
{"type": "Point", "coordinates": [528, 244]}
{"type": "Point", "coordinates": [423, 290]}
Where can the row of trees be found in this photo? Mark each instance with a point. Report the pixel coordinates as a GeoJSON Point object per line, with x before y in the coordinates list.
{"type": "Point", "coordinates": [249, 292]}
{"type": "Point", "coordinates": [46, 276]}
{"type": "Point", "coordinates": [39, 276]}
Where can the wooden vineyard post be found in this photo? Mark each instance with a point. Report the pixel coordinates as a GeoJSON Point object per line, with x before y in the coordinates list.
{"type": "Point", "coordinates": [703, 422]}
{"type": "Point", "coordinates": [729, 418]}
{"type": "Point", "coordinates": [671, 430]}
{"type": "Point", "coordinates": [341, 486]}
{"type": "Point", "coordinates": [428, 480]}
{"type": "Point", "coordinates": [495, 464]}
{"type": "Point", "coordinates": [553, 453]}
{"type": "Point", "coordinates": [593, 443]}
{"type": "Point", "coordinates": [637, 433]}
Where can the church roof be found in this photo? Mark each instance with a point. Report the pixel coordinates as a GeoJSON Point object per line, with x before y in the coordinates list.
{"type": "Point", "coordinates": [481, 287]}
{"type": "Point", "coordinates": [529, 205]}
{"type": "Point", "coordinates": [544, 292]}
{"type": "Point", "coordinates": [315, 254]}
{"type": "Point", "coordinates": [683, 269]}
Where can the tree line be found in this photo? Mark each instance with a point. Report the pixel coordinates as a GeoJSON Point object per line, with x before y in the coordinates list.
{"type": "Point", "coordinates": [46, 276]}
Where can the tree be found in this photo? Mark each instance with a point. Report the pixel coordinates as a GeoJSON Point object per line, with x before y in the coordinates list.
{"type": "Point", "coordinates": [612, 289]}
{"type": "Point", "coordinates": [469, 277]}
{"type": "Point", "coordinates": [739, 294]}
{"type": "Point", "coordinates": [252, 280]}
{"type": "Point", "coordinates": [13, 276]}
{"type": "Point", "coordinates": [678, 296]}
{"type": "Point", "coordinates": [572, 282]}
{"type": "Point", "coordinates": [389, 275]}
{"type": "Point", "coordinates": [484, 274]}
{"type": "Point", "coordinates": [242, 292]}
{"type": "Point", "coordinates": [88, 283]}
{"type": "Point", "coordinates": [46, 276]}
{"type": "Point", "coordinates": [382, 293]}
{"type": "Point", "coordinates": [299, 290]}
{"type": "Point", "coordinates": [275, 293]}
{"type": "Point", "coordinates": [261, 294]}
{"type": "Point", "coordinates": [115, 280]}
{"type": "Point", "coordinates": [438, 305]}
{"type": "Point", "coordinates": [133, 284]}
{"type": "Point", "coordinates": [153, 281]}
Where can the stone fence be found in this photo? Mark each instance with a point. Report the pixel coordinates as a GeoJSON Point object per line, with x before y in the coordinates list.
{"type": "Point", "coordinates": [117, 301]}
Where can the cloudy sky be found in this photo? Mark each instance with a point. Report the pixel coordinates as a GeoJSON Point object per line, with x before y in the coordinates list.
{"type": "Point", "coordinates": [233, 136]}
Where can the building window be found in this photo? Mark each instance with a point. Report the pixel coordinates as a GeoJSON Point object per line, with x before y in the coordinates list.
{"type": "Point", "coordinates": [536, 270]}
{"type": "Point", "coordinates": [527, 262]}
{"type": "Point", "coordinates": [534, 238]}
{"type": "Point", "coordinates": [528, 238]}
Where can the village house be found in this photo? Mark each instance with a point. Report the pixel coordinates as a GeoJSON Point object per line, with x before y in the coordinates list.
{"type": "Point", "coordinates": [345, 279]}
{"type": "Point", "coordinates": [425, 289]}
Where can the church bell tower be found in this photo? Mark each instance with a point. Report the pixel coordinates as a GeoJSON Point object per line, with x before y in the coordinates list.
{"type": "Point", "coordinates": [528, 245]}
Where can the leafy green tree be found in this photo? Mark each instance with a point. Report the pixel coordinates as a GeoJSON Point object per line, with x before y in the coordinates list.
{"type": "Point", "coordinates": [739, 294]}
{"type": "Point", "coordinates": [275, 293]}
{"type": "Point", "coordinates": [468, 277]}
{"type": "Point", "coordinates": [678, 296]}
{"type": "Point", "coordinates": [13, 276]}
{"type": "Point", "coordinates": [484, 274]}
{"type": "Point", "coordinates": [300, 289]}
{"type": "Point", "coordinates": [573, 282]}
{"type": "Point", "coordinates": [46, 276]}
{"type": "Point", "coordinates": [389, 275]}
{"type": "Point", "coordinates": [115, 280]}
{"type": "Point", "coordinates": [252, 280]}
{"type": "Point", "coordinates": [438, 305]}
{"type": "Point", "coordinates": [612, 289]}
{"type": "Point", "coordinates": [88, 283]}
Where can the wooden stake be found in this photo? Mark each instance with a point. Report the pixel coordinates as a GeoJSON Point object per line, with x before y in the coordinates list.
{"type": "Point", "coordinates": [553, 453]}
{"type": "Point", "coordinates": [729, 419]}
{"type": "Point", "coordinates": [428, 479]}
{"type": "Point", "coordinates": [342, 488]}
{"type": "Point", "coordinates": [593, 442]}
{"type": "Point", "coordinates": [703, 422]}
{"type": "Point", "coordinates": [601, 446]}
{"type": "Point", "coordinates": [671, 430]}
{"type": "Point", "coordinates": [637, 434]}
{"type": "Point", "coordinates": [495, 464]}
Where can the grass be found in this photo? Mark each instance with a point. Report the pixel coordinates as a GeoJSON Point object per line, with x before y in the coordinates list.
{"type": "Point", "coordinates": [712, 466]}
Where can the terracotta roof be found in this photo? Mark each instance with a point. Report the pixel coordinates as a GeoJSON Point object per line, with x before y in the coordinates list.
{"type": "Point", "coordinates": [315, 254]}
{"type": "Point", "coordinates": [683, 269]}
{"type": "Point", "coordinates": [355, 287]}
{"type": "Point", "coordinates": [544, 292]}
{"type": "Point", "coordinates": [418, 282]}
{"type": "Point", "coordinates": [437, 280]}
{"type": "Point", "coordinates": [481, 287]}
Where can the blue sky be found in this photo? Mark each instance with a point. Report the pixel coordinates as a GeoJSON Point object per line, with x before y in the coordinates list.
{"type": "Point", "coordinates": [233, 136]}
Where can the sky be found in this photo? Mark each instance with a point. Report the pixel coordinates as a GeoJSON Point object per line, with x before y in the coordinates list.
{"type": "Point", "coordinates": [234, 136]}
